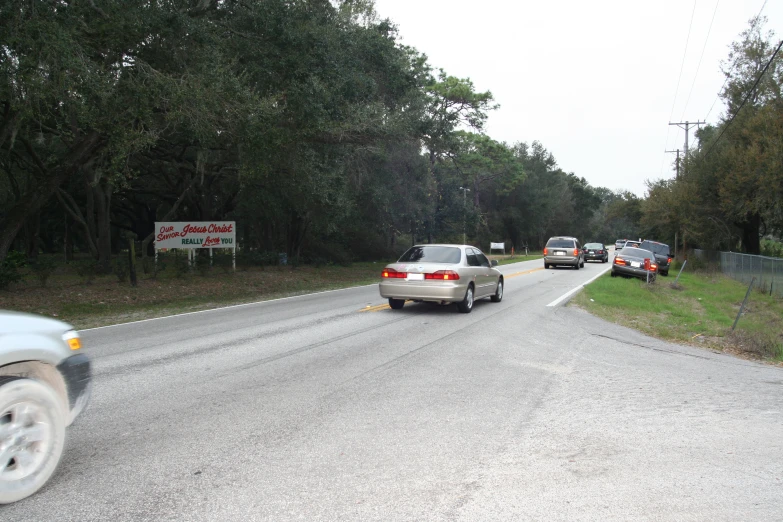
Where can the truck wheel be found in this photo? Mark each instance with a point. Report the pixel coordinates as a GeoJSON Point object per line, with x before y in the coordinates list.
{"type": "Point", "coordinates": [32, 436]}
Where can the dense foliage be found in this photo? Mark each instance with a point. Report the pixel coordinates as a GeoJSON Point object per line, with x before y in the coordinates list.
{"type": "Point", "coordinates": [730, 192]}
{"type": "Point", "coordinates": [308, 123]}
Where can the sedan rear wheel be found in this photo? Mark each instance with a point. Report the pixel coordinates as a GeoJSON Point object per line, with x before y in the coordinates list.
{"type": "Point", "coordinates": [396, 304]}
{"type": "Point", "coordinates": [498, 293]}
{"type": "Point", "coordinates": [466, 305]}
{"type": "Point", "coordinates": [32, 436]}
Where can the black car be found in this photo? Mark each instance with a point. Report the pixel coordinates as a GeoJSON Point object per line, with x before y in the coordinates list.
{"type": "Point", "coordinates": [663, 255]}
{"type": "Point", "coordinates": [635, 262]}
{"type": "Point", "coordinates": [596, 252]}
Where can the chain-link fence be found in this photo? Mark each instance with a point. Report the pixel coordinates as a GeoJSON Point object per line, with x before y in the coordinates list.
{"type": "Point", "coordinates": [768, 271]}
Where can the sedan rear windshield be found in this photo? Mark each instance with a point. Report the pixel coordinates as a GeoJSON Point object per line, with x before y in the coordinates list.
{"type": "Point", "coordinates": [593, 246]}
{"type": "Point", "coordinates": [432, 254]}
{"type": "Point", "coordinates": [636, 252]}
{"type": "Point", "coordinates": [560, 243]}
{"type": "Point", "coordinates": [658, 248]}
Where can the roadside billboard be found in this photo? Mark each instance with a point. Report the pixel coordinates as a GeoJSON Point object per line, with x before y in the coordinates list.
{"type": "Point", "coordinates": [195, 234]}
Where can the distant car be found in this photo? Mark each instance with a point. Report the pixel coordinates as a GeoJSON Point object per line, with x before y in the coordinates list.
{"type": "Point", "coordinates": [442, 274]}
{"type": "Point", "coordinates": [563, 250]}
{"type": "Point", "coordinates": [595, 252]}
{"type": "Point", "coordinates": [635, 262]}
{"type": "Point", "coordinates": [619, 244]}
{"type": "Point", "coordinates": [663, 255]}
{"type": "Point", "coordinates": [632, 244]}
{"type": "Point", "coordinates": [45, 383]}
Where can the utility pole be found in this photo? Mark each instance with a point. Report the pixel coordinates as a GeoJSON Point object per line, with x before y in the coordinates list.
{"type": "Point", "coordinates": [687, 125]}
{"type": "Point", "coordinates": [464, 211]}
{"type": "Point", "coordinates": [678, 161]}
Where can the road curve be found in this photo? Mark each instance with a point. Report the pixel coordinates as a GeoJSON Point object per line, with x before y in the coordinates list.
{"type": "Point", "coordinates": [333, 407]}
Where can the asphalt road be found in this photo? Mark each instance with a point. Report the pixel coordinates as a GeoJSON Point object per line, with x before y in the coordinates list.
{"type": "Point", "coordinates": [334, 407]}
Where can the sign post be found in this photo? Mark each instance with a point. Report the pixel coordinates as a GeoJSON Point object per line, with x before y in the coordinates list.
{"type": "Point", "coordinates": [497, 246]}
{"type": "Point", "coordinates": [193, 235]}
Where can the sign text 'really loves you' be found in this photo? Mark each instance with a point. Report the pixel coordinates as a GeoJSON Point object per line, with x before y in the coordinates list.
{"type": "Point", "coordinates": [195, 234]}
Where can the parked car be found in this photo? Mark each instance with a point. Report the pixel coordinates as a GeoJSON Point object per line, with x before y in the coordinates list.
{"type": "Point", "coordinates": [635, 262]}
{"type": "Point", "coordinates": [619, 244]}
{"type": "Point", "coordinates": [442, 274]}
{"type": "Point", "coordinates": [563, 250]}
{"type": "Point", "coordinates": [595, 252]}
{"type": "Point", "coordinates": [663, 255]}
{"type": "Point", "coordinates": [45, 383]}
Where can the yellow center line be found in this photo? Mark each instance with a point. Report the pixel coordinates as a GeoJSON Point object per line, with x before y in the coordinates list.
{"type": "Point", "coordinates": [375, 308]}
{"type": "Point", "coordinates": [523, 273]}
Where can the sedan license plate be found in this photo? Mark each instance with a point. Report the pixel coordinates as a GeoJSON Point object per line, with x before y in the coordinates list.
{"type": "Point", "coordinates": [591, 252]}
{"type": "Point", "coordinates": [415, 277]}
{"type": "Point", "coordinates": [636, 264]}
{"type": "Point", "coordinates": [559, 253]}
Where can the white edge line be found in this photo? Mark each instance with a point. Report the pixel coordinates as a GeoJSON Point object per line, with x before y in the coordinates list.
{"type": "Point", "coordinates": [574, 290]}
{"type": "Point", "coordinates": [226, 307]}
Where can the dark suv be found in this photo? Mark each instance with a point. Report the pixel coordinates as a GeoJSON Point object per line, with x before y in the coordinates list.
{"type": "Point", "coordinates": [663, 255]}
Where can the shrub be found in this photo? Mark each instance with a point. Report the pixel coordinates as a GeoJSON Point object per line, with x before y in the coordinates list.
{"type": "Point", "coordinates": [202, 262]}
{"type": "Point", "coordinates": [8, 274]}
{"type": "Point", "coordinates": [43, 268]}
{"type": "Point", "coordinates": [181, 267]}
{"type": "Point", "coordinates": [771, 248]}
{"type": "Point", "coordinates": [15, 259]}
{"type": "Point", "coordinates": [86, 270]}
{"type": "Point", "coordinates": [155, 268]}
{"type": "Point", "coordinates": [223, 260]}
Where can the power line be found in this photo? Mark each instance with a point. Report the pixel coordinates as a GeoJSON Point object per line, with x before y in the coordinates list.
{"type": "Point", "coordinates": [704, 48]}
{"type": "Point", "coordinates": [682, 65]}
{"type": "Point", "coordinates": [731, 68]}
{"type": "Point", "coordinates": [747, 96]}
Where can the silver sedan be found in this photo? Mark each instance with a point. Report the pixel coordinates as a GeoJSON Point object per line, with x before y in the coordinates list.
{"type": "Point", "coordinates": [442, 274]}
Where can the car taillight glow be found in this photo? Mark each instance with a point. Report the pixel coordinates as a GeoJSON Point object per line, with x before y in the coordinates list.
{"type": "Point", "coordinates": [618, 261]}
{"type": "Point", "coordinates": [390, 273]}
{"type": "Point", "coordinates": [576, 252]}
{"type": "Point", "coordinates": [545, 251]}
{"type": "Point", "coordinates": [670, 260]}
{"type": "Point", "coordinates": [445, 275]}
{"type": "Point", "coordinates": [653, 267]}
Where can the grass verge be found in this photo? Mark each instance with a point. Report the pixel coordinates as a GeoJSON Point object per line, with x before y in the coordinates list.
{"type": "Point", "coordinates": [106, 301]}
{"type": "Point", "coordinates": [507, 260]}
{"type": "Point", "coordinates": [700, 312]}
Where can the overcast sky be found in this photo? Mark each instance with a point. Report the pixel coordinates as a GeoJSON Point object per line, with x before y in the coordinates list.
{"type": "Point", "coordinates": [593, 81]}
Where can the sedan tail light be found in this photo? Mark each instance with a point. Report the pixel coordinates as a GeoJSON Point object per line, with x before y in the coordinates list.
{"type": "Point", "coordinates": [445, 275]}
{"type": "Point", "coordinates": [600, 251]}
{"type": "Point", "coordinates": [670, 260]}
{"type": "Point", "coordinates": [546, 251]}
{"type": "Point", "coordinates": [649, 265]}
{"type": "Point", "coordinates": [619, 261]}
{"type": "Point", "coordinates": [390, 273]}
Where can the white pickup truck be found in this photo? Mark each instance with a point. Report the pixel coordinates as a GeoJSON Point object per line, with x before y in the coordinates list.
{"type": "Point", "coordinates": [45, 382]}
